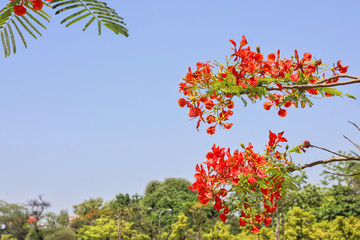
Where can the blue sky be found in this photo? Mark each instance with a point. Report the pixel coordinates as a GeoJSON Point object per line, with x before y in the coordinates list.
{"type": "Point", "coordinates": [85, 116]}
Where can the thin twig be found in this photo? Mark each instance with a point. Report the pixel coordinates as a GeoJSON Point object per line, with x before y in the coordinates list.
{"type": "Point", "coordinates": [357, 146]}
{"type": "Point", "coordinates": [354, 125]}
{"type": "Point", "coordinates": [327, 150]}
{"type": "Point", "coordinates": [344, 175]}
{"type": "Point", "coordinates": [327, 161]}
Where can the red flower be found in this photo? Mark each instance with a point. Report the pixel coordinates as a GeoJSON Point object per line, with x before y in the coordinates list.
{"type": "Point", "coordinates": [312, 91]}
{"type": "Point", "coordinates": [267, 221]}
{"type": "Point", "coordinates": [295, 77]}
{"type": "Point", "coordinates": [271, 57]}
{"type": "Point", "coordinates": [252, 180]}
{"type": "Point", "coordinates": [243, 41]}
{"type": "Point", "coordinates": [287, 104]}
{"type": "Point", "coordinates": [306, 144]}
{"type": "Point", "coordinates": [242, 222]}
{"type": "Point", "coordinates": [282, 113]}
{"type": "Point", "coordinates": [228, 125]}
{"type": "Point", "coordinates": [210, 119]}
{"type": "Point", "coordinates": [267, 105]}
{"type": "Point", "coordinates": [255, 229]}
{"type": "Point", "coordinates": [211, 130]}
{"type": "Point", "coordinates": [328, 94]}
{"type": "Point", "coordinates": [182, 102]}
{"type": "Point", "coordinates": [341, 68]}
{"type": "Point", "coordinates": [37, 4]}
{"type": "Point", "coordinates": [19, 9]}
{"type": "Point", "coordinates": [194, 112]}
{"type": "Point", "coordinates": [222, 217]}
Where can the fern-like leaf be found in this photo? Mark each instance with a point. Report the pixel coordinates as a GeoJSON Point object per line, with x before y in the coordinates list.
{"type": "Point", "coordinates": [28, 22]}
{"type": "Point", "coordinates": [91, 10]}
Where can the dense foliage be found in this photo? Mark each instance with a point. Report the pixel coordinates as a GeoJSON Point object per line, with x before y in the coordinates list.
{"type": "Point", "coordinates": [314, 212]}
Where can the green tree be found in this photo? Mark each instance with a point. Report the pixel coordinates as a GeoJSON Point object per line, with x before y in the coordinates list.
{"type": "Point", "coordinates": [180, 229]}
{"type": "Point", "coordinates": [173, 193]}
{"type": "Point", "coordinates": [298, 226]}
{"type": "Point", "coordinates": [219, 231]}
{"type": "Point", "coordinates": [88, 206]}
{"type": "Point", "coordinates": [60, 233]}
{"type": "Point", "coordinates": [13, 219]}
{"type": "Point", "coordinates": [124, 208]}
{"type": "Point", "coordinates": [203, 217]}
{"type": "Point", "coordinates": [54, 220]}
{"type": "Point", "coordinates": [7, 237]}
{"type": "Point", "coordinates": [347, 228]}
{"type": "Point", "coordinates": [78, 223]}
{"type": "Point", "coordinates": [105, 229]}
{"type": "Point", "coordinates": [341, 201]}
{"type": "Point", "coordinates": [322, 231]}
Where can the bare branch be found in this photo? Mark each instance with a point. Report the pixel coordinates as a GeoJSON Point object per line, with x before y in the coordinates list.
{"type": "Point", "coordinates": [328, 161]}
{"type": "Point", "coordinates": [327, 150]}
{"type": "Point", "coordinates": [344, 175]}
{"type": "Point", "coordinates": [321, 84]}
{"type": "Point", "coordinates": [357, 146]}
{"type": "Point", "coordinates": [354, 125]}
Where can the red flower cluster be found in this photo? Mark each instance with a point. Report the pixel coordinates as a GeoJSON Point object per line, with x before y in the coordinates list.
{"type": "Point", "coordinates": [96, 214]}
{"type": "Point", "coordinates": [21, 10]}
{"type": "Point", "coordinates": [254, 178]}
{"type": "Point", "coordinates": [32, 219]}
{"type": "Point", "coordinates": [209, 95]}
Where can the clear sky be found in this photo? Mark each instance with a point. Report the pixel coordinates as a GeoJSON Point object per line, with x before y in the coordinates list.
{"type": "Point", "coordinates": [83, 115]}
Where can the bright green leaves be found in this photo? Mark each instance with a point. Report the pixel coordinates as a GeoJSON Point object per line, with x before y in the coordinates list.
{"type": "Point", "coordinates": [91, 10]}
{"type": "Point", "coordinates": [11, 25]}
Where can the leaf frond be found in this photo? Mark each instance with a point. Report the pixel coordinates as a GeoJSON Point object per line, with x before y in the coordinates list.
{"type": "Point", "coordinates": [29, 22]}
{"type": "Point", "coordinates": [91, 10]}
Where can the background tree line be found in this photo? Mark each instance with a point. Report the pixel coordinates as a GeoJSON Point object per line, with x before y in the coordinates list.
{"type": "Point", "coordinates": [326, 211]}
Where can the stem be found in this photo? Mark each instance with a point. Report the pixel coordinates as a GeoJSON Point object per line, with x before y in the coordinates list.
{"type": "Point", "coordinates": [321, 84]}
{"type": "Point", "coordinates": [326, 162]}
{"type": "Point", "coordinates": [344, 175]}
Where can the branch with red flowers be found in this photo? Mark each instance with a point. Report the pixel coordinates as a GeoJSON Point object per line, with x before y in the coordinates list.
{"type": "Point", "coordinates": [248, 74]}
{"type": "Point", "coordinates": [340, 158]}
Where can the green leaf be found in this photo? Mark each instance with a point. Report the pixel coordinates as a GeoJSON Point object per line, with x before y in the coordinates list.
{"type": "Point", "coordinates": [91, 10]}
{"type": "Point", "coordinates": [25, 26]}
{"type": "Point", "coordinates": [20, 33]}
{"type": "Point", "coordinates": [73, 15]}
{"type": "Point", "coordinates": [244, 101]}
{"type": "Point", "coordinates": [99, 27]}
{"type": "Point", "coordinates": [350, 96]}
{"type": "Point", "coordinates": [12, 39]}
{"type": "Point", "coordinates": [88, 24]}
{"type": "Point", "coordinates": [78, 19]}
{"type": "Point", "coordinates": [3, 43]}
{"type": "Point", "coordinates": [7, 42]}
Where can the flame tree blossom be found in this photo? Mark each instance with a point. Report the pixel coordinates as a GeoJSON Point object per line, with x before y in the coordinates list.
{"type": "Point", "coordinates": [285, 83]}
{"type": "Point", "coordinates": [256, 180]}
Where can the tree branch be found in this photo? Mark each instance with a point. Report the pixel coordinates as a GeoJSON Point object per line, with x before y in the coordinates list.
{"type": "Point", "coordinates": [344, 175]}
{"type": "Point", "coordinates": [357, 146]}
{"type": "Point", "coordinates": [342, 159]}
{"type": "Point", "coordinates": [321, 84]}
{"type": "Point", "coordinates": [354, 125]}
{"type": "Point", "coordinates": [327, 150]}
